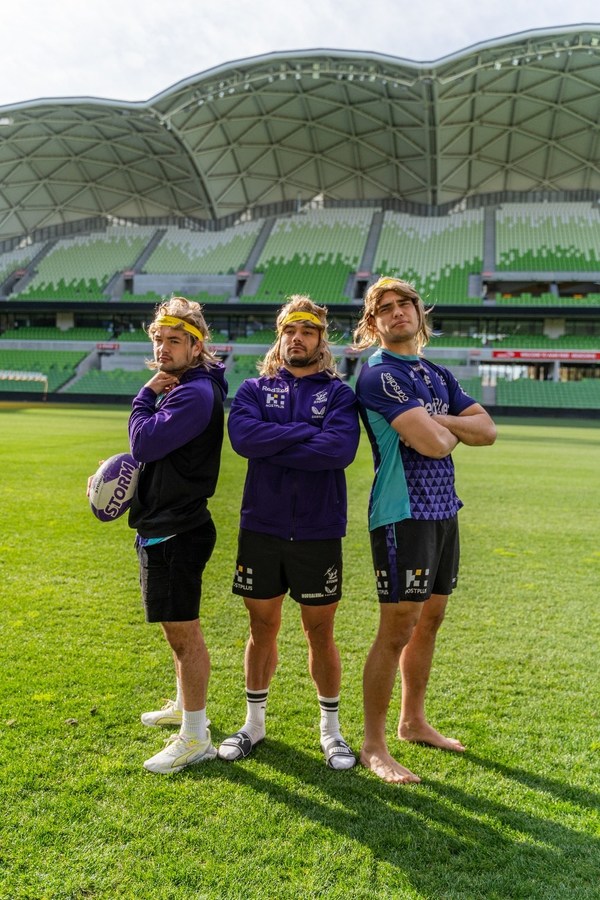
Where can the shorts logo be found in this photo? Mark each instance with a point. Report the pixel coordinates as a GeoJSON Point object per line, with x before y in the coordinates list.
{"type": "Point", "coordinates": [381, 578]}
{"type": "Point", "coordinates": [243, 579]}
{"type": "Point", "coordinates": [416, 581]}
{"type": "Point", "coordinates": [392, 388]}
{"type": "Point", "coordinates": [276, 400]}
{"type": "Point", "coordinates": [331, 580]}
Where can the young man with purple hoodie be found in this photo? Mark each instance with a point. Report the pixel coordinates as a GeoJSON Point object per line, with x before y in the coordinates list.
{"type": "Point", "coordinates": [297, 425]}
{"type": "Point", "coordinates": [176, 431]}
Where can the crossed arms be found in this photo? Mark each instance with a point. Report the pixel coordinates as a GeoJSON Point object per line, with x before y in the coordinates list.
{"type": "Point", "coordinates": [437, 436]}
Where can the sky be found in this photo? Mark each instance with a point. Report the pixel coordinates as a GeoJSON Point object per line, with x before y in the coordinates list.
{"type": "Point", "coordinates": [134, 49]}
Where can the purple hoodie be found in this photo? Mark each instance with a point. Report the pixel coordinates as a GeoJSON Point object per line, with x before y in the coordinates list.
{"type": "Point", "coordinates": [178, 437]}
{"type": "Point", "coordinates": [298, 435]}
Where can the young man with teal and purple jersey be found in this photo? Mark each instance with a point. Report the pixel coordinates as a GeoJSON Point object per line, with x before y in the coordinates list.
{"type": "Point", "coordinates": [415, 413]}
{"type": "Point", "coordinates": [297, 425]}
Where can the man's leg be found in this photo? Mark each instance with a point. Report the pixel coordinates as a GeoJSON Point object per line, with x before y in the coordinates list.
{"type": "Point", "coordinates": [323, 655]}
{"type": "Point", "coordinates": [326, 672]}
{"type": "Point", "coordinates": [192, 663]}
{"type": "Point", "coordinates": [415, 667]}
{"type": "Point", "coordinates": [260, 663]}
{"type": "Point", "coordinates": [396, 624]}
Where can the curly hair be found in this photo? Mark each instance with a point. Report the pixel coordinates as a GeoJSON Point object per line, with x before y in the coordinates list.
{"type": "Point", "coordinates": [365, 333]}
{"type": "Point", "coordinates": [272, 361]}
{"type": "Point", "coordinates": [188, 311]}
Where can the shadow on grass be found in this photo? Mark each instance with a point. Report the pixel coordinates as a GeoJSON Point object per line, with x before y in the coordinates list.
{"type": "Point", "coordinates": [447, 841]}
{"type": "Point", "coordinates": [561, 790]}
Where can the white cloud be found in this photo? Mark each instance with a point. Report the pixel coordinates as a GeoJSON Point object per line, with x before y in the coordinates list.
{"type": "Point", "coordinates": [133, 49]}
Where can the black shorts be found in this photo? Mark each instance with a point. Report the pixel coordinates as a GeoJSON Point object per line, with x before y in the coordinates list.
{"type": "Point", "coordinates": [268, 567]}
{"type": "Point", "coordinates": [414, 559]}
{"type": "Point", "coordinates": [171, 574]}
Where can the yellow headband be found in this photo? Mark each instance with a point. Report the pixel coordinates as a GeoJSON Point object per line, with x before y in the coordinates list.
{"type": "Point", "coordinates": [301, 317]}
{"type": "Point", "coordinates": [173, 321]}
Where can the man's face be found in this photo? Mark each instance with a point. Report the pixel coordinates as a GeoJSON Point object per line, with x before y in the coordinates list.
{"type": "Point", "coordinates": [396, 320]}
{"type": "Point", "coordinates": [299, 344]}
{"type": "Point", "coordinates": [174, 351]}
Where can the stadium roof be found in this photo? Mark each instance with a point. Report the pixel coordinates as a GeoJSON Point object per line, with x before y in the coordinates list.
{"type": "Point", "coordinates": [519, 113]}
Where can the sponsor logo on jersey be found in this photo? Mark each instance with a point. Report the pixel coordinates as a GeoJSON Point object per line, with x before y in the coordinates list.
{"type": "Point", "coordinates": [392, 388]}
{"type": "Point", "coordinates": [437, 407]}
{"type": "Point", "coordinates": [276, 399]}
{"type": "Point", "coordinates": [280, 389]}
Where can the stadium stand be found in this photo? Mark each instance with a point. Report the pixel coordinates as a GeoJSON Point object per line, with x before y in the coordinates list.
{"type": "Point", "coordinates": [526, 392]}
{"type": "Point", "coordinates": [312, 253]}
{"type": "Point", "coordinates": [57, 365]}
{"type": "Point", "coordinates": [116, 382]}
{"type": "Point", "coordinates": [504, 245]}
{"type": "Point", "coordinates": [14, 261]}
{"type": "Point", "coordinates": [436, 254]}
{"type": "Point", "coordinates": [551, 237]}
{"type": "Point", "coordinates": [185, 252]}
{"type": "Point", "coordinates": [242, 367]}
{"type": "Point", "coordinates": [81, 267]}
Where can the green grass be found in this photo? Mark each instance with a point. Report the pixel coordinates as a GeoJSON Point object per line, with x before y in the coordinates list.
{"type": "Point", "coordinates": [515, 677]}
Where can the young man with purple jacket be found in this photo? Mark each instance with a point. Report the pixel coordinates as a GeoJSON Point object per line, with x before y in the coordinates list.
{"type": "Point", "coordinates": [297, 424]}
{"type": "Point", "coordinates": [176, 431]}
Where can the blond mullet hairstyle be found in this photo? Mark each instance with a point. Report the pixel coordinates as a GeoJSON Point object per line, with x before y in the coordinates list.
{"type": "Point", "coordinates": [299, 303]}
{"type": "Point", "coordinates": [191, 312]}
{"type": "Point", "coordinates": [366, 334]}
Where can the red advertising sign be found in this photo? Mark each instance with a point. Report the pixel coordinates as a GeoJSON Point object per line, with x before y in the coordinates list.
{"type": "Point", "coordinates": [569, 355]}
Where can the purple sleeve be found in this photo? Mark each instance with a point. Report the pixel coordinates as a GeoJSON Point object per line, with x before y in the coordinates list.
{"type": "Point", "coordinates": [386, 392]}
{"type": "Point", "coordinates": [334, 445]}
{"type": "Point", "coordinates": [183, 415]}
{"type": "Point", "coordinates": [458, 399]}
{"type": "Point", "coordinates": [254, 438]}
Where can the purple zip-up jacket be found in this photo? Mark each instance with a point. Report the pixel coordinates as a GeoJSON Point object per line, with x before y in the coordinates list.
{"type": "Point", "coordinates": [298, 435]}
{"type": "Point", "coordinates": [178, 438]}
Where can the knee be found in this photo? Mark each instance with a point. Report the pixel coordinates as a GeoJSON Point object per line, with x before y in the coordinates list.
{"type": "Point", "coordinates": [263, 629]}
{"type": "Point", "coordinates": [431, 621]}
{"type": "Point", "coordinates": [318, 634]}
{"type": "Point", "coordinates": [183, 641]}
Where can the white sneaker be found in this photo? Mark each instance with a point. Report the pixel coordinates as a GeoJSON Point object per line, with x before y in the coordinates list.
{"type": "Point", "coordinates": [168, 715]}
{"type": "Point", "coordinates": [181, 751]}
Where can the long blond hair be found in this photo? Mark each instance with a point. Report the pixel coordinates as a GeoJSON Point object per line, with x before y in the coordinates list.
{"type": "Point", "coordinates": [366, 334]}
{"type": "Point", "coordinates": [272, 361]}
{"type": "Point", "coordinates": [191, 312]}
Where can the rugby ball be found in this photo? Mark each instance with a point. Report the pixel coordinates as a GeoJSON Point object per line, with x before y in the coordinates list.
{"type": "Point", "coordinates": [113, 486]}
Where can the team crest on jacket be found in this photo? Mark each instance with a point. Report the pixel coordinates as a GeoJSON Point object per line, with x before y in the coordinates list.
{"type": "Point", "coordinates": [392, 388]}
{"type": "Point", "coordinates": [317, 409]}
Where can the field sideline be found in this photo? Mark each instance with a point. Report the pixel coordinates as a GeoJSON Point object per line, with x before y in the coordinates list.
{"type": "Point", "coordinates": [515, 678]}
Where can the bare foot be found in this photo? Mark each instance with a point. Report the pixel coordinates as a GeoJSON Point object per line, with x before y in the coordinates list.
{"type": "Point", "coordinates": [425, 734]}
{"type": "Point", "coordinates": [385, 766]}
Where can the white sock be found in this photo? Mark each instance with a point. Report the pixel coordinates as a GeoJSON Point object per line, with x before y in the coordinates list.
{"type": "Point", "coordinates": [330, 721]}
{"type": "Point", "coordinates": [256, 711]}
{"type": "Point", "coordinates": [330, 730]}
{"type": "Point", "coordinates": [194, 724]}
{"type": "Point", "coordinates": [178, 696]}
